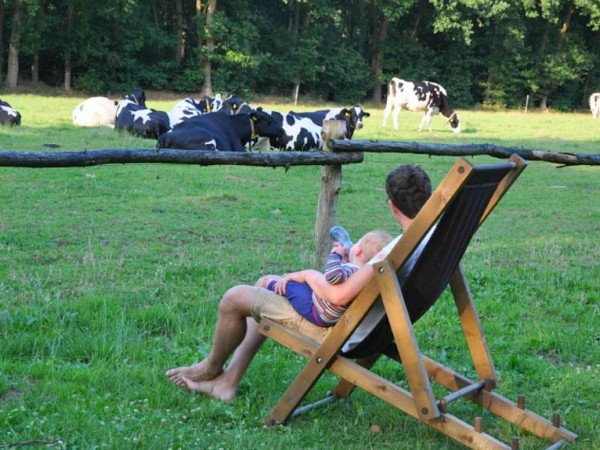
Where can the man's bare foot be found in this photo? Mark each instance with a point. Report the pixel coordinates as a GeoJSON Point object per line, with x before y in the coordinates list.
{"type": "Point", "coordinates": [217, 388]}
{"type": "Point", "coordinates": [197, 372]}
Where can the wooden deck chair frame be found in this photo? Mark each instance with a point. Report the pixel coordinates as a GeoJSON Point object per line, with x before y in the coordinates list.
{"type": "Point", "coordinates": [419, 401]}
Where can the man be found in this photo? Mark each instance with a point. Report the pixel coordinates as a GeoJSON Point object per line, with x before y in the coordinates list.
{"type": "Point", "coordinates": [408, 187]}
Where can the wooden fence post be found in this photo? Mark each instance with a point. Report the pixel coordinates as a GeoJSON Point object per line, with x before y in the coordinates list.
{"type": "Point", "coordinates": [331, 182]}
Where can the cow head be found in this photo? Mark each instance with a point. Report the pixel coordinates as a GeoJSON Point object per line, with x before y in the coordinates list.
{"type": "Point", "coordinates": [454, 122]}
{"type": "Point", "coordinates": [235, 105]}
{"type": "Point", "coordinates": [264, 124]}
{"type": "Point", "coordinates": [358, 114]}
{"type": "Point", "coordinates": [137, 96]}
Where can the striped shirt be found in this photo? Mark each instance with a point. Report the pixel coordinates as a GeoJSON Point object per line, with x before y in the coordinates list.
{"type": "Point", "coordinates": [336, 272]}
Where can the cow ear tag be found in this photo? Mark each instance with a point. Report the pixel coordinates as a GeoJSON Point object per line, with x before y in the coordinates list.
{"type": "Point", "coordinates": [348, 114]}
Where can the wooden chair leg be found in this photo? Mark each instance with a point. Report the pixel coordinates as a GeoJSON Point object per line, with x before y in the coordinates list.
{"type": "Point", "coordinates": [482, 359]}
{"type": "Point", "coordinates": [406, 341]}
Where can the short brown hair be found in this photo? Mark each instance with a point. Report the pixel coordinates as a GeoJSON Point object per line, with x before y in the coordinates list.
{"type": "Point", "coordinates": [373, 242]}
{"type": "Point", "coordinates": [408, 187]}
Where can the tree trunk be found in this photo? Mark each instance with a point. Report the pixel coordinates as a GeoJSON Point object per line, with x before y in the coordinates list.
{"type": "Point", "coordinates": [2, 5]}
{"type": "Point", "coordinates": [294, 29]}
{"type": "Point", "coordinates": [207, 88]}
{"type": "Point", "coordinates": [35, 67]}
{"type": "Point", "coordinates": [68, 62]}
{"type": "Point", "coordinates": [180, 50]}
{"type": "Point", "coordinates": [12, 73]}
{"type": "Point", "coordinates": [380, 27]}
{"type": "Point", "coordinates": [544, 103]}
{"type": "Point", "coordinates": [565, 28]}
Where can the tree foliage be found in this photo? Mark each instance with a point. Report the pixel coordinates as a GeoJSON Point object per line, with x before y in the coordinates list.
{"type": "Point", "coordinates": [488, 52]}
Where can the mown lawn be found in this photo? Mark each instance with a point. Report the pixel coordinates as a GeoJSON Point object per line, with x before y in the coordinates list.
{"type": "Point", "coordinates": [110, 275]}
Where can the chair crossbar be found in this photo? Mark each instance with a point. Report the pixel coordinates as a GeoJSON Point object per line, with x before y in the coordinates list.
{"type": "Point", "coordinates": [323, 401]}
{"type": "Point", "coordinates": [459, 394]}
{"type": "Point", "coordinates": [557, 445]}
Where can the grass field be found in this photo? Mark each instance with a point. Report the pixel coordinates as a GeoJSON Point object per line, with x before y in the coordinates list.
{"type": "Point", "coordinates": [110, 275]}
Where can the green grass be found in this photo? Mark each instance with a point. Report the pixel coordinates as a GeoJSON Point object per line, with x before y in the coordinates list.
{"type": "Point", "coordinates": [110, 275]}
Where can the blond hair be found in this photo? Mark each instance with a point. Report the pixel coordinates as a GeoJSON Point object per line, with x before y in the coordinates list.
{"type": "Point", "coordinates": [373, 242]}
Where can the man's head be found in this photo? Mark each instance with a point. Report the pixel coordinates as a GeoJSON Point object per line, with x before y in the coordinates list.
{"type": "Point", "coordinates": [368, 246]}
{"type": "Point", "coordinates": [408, 187]}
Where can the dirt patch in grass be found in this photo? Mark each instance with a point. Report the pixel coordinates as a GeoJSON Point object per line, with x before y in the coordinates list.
{"type": "Point", "coordinates": [12, 394]}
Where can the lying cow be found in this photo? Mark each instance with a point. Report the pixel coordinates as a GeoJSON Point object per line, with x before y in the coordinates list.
{"type": "Point", "coordinates": [189, 107]}
{"type": "Point", "coordinates": [95, 112]}
{"type": "Point", "coordinates": [133, 116]}
{"type": "Point", "coordinates": [302, 131]}
{"type": "Point", "coordinates": [235, 105]}
{"type": "Point", "coordinates": [220, 131]}
{"type": "Point", "coordinates": [595, 105]}
{"type": "Point", "coordinates": [9, 115]}
{"type": "Point", "coordinates": [419, 96]}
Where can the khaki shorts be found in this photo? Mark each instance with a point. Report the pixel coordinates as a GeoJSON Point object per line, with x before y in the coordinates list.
{"type": "Point", "coordinates": [268, 305]}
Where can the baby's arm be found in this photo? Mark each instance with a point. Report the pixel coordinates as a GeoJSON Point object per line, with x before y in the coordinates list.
{"type": "Point", "coordinates": [339, 294]}
{"type": "Point", "coordinates": [300, 277]}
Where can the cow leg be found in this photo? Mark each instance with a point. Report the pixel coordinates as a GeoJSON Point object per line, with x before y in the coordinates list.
{"type": "Point", "coordinates": [386, 112]}
{"type": "Point", "coordinates": [427, 118]}
{"type": "Point", "coordinates": [395, 114]}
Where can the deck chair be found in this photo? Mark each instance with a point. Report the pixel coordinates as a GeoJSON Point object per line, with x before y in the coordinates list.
{"type": "Point", "coordinates": [463, 200]}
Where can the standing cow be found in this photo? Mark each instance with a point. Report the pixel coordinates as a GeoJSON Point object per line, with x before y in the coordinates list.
{"type": "Point", "coordinates": [595, 105]}
{"type": "Point", "coordinates": [419, 96]}
{"type": "Point", "coordinates": [95, 112]}
{"type": "Point", "coordinates": [133, 116]}
{"type": "Point", "coordinates": [9, 115]}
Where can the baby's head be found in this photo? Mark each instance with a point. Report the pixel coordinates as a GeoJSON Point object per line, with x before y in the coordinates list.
{"type": "Point", "coordinates": [368, 246]}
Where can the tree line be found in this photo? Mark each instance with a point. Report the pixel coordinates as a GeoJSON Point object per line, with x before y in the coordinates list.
{"type": "Point", "coordinates": [485, 52]}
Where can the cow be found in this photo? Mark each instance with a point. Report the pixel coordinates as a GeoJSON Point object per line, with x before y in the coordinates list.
{"type": "Point", "coordinates": [9, 115]}
{"type": "Point", "coordinates": [302, 131]}
{"type": "Point", "coordinates": [95, 112]}
{"type": "Point", "coordinates": [133, 116]}
{"type": "Point", "coordinates": [219, 131]}
{"type": "Point", "coordinates": [235, 105]}
{"type": "Point", "coordinates": [419, 96]}
{"type": "Point", "coordinates": [189, 107]}
{"type": "Point", "coordinates": [595, 105]}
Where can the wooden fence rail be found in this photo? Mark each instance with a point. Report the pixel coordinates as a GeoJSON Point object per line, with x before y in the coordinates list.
{"type": "Point", "coordinates": [19, 158]}
{"type": "Point", "coordinates": [565, 159]}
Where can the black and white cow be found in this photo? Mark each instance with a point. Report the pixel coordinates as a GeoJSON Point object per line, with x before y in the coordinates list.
{"type": "Point", "coordinates": [419, 96]}
{"type": "Point", "coordinates": [189, 107]}
{"type": "Point", "coordinates": [595, 105]}
{"type": "Point", "coordinates": [95, 112]}
{"type": "Point", "coordinates": [133, 116]}
{"type": "Point", "coordinates": [220, 131]}
{"type": "Point", "coordinates": [235, 105]}
{"type": "Point", "coordinates": [302, 131]}
{"type": "Point", "coordinates": [9, 115]}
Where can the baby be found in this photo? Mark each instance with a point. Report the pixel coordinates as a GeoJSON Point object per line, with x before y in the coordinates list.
{"type": "Point", "coordinates": [340, 266]}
